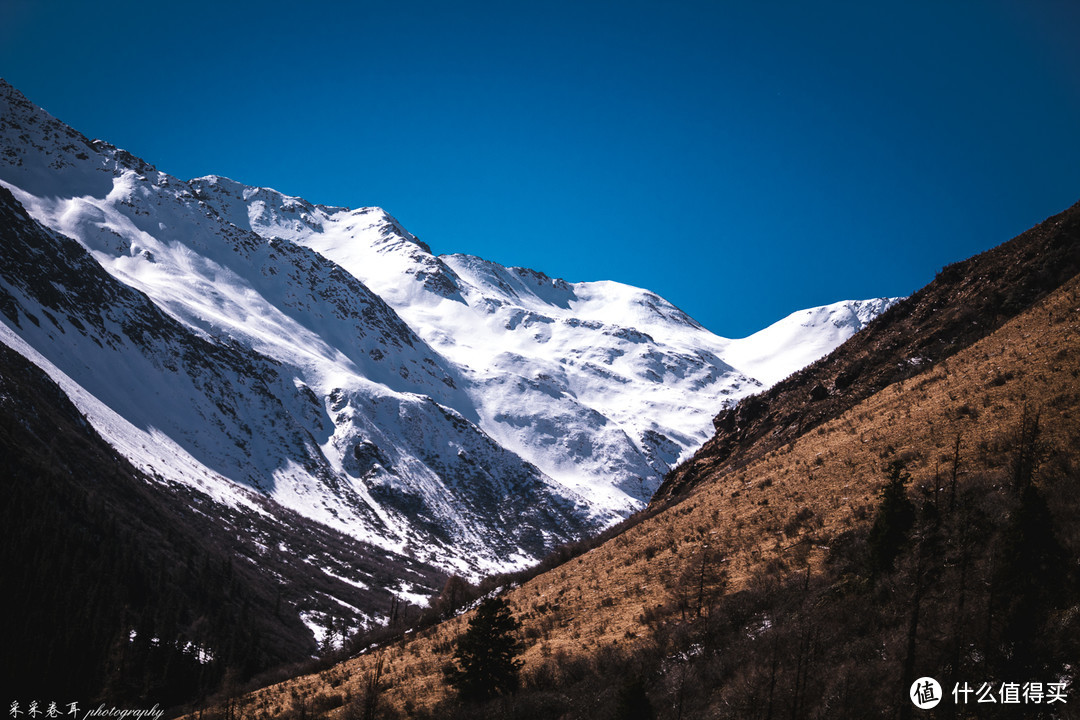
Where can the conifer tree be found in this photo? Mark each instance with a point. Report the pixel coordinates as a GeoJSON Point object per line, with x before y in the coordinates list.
{"type": "Point", "coordinates": [1032, 575]}
{"type": "Point", "coordinates": [486, 662]}
{"type": "Point", "coordinates": [895, 518]}
{"type": "Point", "coordinates": [455, 593]}
{"type": "Point", "coordinates": [633, 703]}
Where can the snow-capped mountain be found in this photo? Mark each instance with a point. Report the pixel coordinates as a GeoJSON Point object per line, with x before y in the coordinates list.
{"type": "Point", "coordinates": [802, 337]}
{"type": "Point", "coordinates": [254, 345]}
{"type": "Point", "coordinates": [602, 385]}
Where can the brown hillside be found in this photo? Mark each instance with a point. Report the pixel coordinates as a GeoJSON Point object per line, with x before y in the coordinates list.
{"type": "Point", "coordinates": [775, 527]}
{"type": "Point", "coordinates": [966, 301]}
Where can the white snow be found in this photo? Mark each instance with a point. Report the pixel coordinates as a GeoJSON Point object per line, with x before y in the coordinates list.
{"type": "Point", "coordinates": [802, 337]}
{"type": "Point", "coordinates": [408, 593]}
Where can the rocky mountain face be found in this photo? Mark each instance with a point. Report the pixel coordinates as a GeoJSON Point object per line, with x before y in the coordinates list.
{"type": "Point", "coordinates": [266, 352]}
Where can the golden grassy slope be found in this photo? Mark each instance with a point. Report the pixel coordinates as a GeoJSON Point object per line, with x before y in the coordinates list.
{"type": "Point", "coordinates": [779, 513]}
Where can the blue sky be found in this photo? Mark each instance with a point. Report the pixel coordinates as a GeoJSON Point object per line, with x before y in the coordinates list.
{"type": "Point", "coordinates": [742, 159]}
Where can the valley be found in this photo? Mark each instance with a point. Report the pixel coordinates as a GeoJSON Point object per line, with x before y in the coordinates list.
{"type": "Point", "coordinates": [346, 415]}
{"type": "Point", "coordinates": [774, 551]}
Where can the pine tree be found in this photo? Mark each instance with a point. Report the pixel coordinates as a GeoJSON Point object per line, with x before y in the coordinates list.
{"type": "Point", "coordinates": [895, 518]}
{"type": "Point", "coordinates": [633, 702]}
{"type": "Point", "coordinates": [486, 654]}
{"type": "Point", "coordinates": [455, 593]}
{"type": "Point", "coordinates": [1032, 572]}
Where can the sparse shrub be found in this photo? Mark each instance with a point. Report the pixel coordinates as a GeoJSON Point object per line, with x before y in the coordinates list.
{"type": "Point", "coordinates": [798, 521]}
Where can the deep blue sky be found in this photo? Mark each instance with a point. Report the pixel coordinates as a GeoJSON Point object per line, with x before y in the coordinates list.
{"type": "Point", "coordinates": [742, 159]}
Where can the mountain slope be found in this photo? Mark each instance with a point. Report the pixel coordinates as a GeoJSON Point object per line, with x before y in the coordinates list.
{"type": "Point", "coordinates": [146, 590]}
{"type": "Point", "coordinates": [200, 411]}
{"type": "Point", "coordinates": [965, 302]}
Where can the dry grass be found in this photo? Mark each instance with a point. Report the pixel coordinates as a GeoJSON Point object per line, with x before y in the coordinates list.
{"type": "Point", "coordinates": [780, 513]}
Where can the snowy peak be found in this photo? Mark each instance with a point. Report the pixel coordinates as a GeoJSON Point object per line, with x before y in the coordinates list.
{"type": "Point", "coordinates": [867, 310]}
{"type": "Point", "coordinates": [629, 306]}
{"type": "Point", "coordinates": [495, 285]}
{"type": "Point", "coordinates": [192, 247]}
{"type": "Point", "coordinates": [264, 211]}
{"type": "Point", "coordinates": [802, 337]}
{"type": "Point", "coordinates": [606, 302]}
{"type": "Point", "coordinates": [240, 361]}
{"type": "Point", "coordinates": [368, 243]}
{"type": "Point", "coordinates": [44, 154]}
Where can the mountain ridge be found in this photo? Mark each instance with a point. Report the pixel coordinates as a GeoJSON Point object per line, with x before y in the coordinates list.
{"type": "Point", "coordinates": [231, 266]}
{"type": "Point", "coordinates": [589, 391]}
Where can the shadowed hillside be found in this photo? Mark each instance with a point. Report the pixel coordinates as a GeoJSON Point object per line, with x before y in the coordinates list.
{"type": "Point", "coordinates": [141, 591]}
